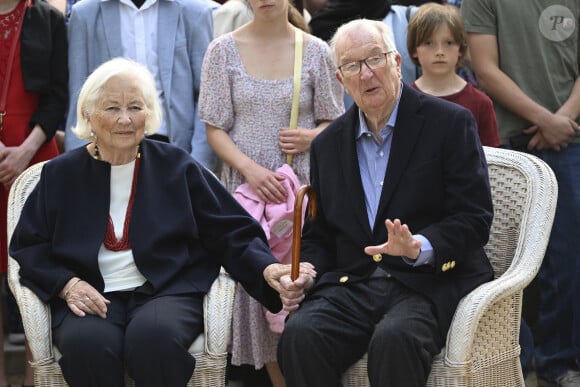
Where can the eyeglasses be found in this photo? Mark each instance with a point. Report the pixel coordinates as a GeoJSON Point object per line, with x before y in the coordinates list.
{"type": "Point", "coordinates": [373, 62]}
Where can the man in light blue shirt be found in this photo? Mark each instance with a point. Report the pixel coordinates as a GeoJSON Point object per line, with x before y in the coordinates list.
{"type": "Point", "coordinates": [170, 37]}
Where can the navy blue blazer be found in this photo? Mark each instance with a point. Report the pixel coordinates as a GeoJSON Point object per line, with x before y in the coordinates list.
{"type": "Point", "coordinates": [184, 225]}
{"type": "Point", "coordinates": [436, 182]}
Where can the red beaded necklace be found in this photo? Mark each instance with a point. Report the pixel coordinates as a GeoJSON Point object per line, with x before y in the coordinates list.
{"type": "Point", "coordinates": [111, 241]}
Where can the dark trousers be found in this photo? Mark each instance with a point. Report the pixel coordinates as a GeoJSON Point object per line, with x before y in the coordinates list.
{"type": "Point", "coordinates": [336, 325]}
{"type": "Point", "coordinates": [148, 339]}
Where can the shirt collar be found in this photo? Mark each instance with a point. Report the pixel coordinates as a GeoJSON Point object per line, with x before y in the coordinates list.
{"type": "Point", "coordinates": [127, 2]}
{"type": "Point", "coordinates": [363, 128]}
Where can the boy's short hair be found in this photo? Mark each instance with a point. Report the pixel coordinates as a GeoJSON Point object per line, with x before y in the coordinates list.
{"type": "Point", "coordinates": [427, 19]}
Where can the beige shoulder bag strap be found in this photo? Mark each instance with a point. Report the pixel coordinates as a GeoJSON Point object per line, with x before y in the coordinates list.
{"type": "Point", "coordinates": [298, 43]}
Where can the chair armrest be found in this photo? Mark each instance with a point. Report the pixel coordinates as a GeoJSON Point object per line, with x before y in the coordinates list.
{"type": "Point", "coordinates": [529, 252]}
{"type": "Point", "coordinates": [35, 313]}
{"type": "Point", "coordinates": [36, 317]}
{"type": "Point", "coordinates": [473, 307]}
{"type": "Point", "coordinates": [476, 307]}
{"type": "Point", "coordinates": [218, 310]}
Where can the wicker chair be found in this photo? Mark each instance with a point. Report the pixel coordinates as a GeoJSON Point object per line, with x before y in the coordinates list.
{"type": "Point", "coordinates": [482, 348]}
{"type": "Point", "coordinates": [209, 349]}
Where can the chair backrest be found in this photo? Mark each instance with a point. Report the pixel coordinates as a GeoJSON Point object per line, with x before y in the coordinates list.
{"type": "Point", "coordinates": [515, 179]}
{"type": "Point", "coordinates": [19, 192]}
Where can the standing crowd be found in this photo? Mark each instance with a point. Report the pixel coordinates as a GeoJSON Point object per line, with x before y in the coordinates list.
{"type": "Point", "coordinates": [178, 132]}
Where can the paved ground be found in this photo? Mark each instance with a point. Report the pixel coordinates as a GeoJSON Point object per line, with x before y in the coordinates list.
{"type": "Point", "coordinates": [14, 356]}
{"type": "Point", "coordinates": [15, 367]}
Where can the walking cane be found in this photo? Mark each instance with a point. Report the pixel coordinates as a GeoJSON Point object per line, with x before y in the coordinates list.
{"type": "Point", "coordinates": [297, 225]}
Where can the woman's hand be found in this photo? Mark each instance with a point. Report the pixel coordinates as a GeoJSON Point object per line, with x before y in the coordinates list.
{"type": "Point", "coordinates": [266, 184]}
{"type": "Point", "coordinates": [14, 162]}
{"type": "Point", "coordinates": [15, 159]}
{"type": "Point", "coordinates": [83, 299]}
{"type": "Point", "coordinates": [294, 141]}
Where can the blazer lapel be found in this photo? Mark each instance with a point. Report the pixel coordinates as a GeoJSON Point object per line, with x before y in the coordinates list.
{"type": "Point", "coordinates": [168, 21]}
{"type": "Point", "coordinates": [112, 27]}
{"type": "Point", "coordinates": [349, 162]}
{"type": "Point", "coordinates": [405, 134]}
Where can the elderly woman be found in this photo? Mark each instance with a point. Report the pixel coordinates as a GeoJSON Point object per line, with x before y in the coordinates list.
{"type": "Point", "coordinates": [125, 235]}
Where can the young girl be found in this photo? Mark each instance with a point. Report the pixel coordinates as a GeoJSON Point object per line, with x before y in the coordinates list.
{"type": "Point", "coordinates": [437, 42]}
{"type": "Point", "coordinates": [245, 100]}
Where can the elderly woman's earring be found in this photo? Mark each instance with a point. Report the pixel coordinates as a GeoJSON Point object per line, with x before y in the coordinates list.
{"type": "Point", "coordinates": [96, 153]}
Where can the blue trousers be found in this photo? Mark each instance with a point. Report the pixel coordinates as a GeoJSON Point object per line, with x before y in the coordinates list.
{"type": "Point", "coordinates": [559, 312]}
{"type": "Point", "coordinates": [149, 339]}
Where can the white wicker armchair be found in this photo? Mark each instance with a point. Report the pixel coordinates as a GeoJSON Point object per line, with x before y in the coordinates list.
{"type": "Point", "coordinates": [209, 349]}
{"type": "Point", "coordinates": [482, 348]}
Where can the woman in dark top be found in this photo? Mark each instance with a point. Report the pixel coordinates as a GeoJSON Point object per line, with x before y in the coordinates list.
{"type": "Point", "coordinates": [125, 235]}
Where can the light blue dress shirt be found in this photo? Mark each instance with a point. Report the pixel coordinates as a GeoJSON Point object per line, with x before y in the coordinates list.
{"type": "Point", "coordinates": [373, 159]}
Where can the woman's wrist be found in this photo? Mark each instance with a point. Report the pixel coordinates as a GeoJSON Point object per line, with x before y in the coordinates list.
{"type": "Point", "coordinates": [246, 166]}
{"type": "Point", "coordinates": [68, 287]}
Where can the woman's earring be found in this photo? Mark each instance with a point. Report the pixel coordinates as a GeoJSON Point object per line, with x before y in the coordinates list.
{"type": "Point", "coordinates": [93, 134]}
{"type": "Point", "coordinates": [96, 153]}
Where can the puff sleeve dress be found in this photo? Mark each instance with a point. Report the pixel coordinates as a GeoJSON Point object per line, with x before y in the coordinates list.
{"type": "Point", "coordinates": [253, 111]}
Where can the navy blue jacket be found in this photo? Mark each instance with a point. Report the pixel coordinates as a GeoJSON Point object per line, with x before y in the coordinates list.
{"type": "Point", "coordinates": [184, 225]}
{"type": "Point", "coordinates": [436, 182]}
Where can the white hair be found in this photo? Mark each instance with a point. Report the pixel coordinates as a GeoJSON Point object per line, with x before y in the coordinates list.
{"type": "Point", "coordinates": [362, 24]}
{"type": "Point", "coordinates": [93, 87]}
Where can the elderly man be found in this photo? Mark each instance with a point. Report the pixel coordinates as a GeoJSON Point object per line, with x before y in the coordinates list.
{"type": "Point", "coordinates": [400, 167]}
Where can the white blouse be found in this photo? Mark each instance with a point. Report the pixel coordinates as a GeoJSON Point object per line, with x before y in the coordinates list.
{"type": "Point", "coordinates": [118, 267]}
